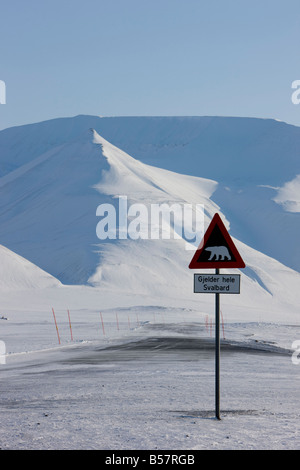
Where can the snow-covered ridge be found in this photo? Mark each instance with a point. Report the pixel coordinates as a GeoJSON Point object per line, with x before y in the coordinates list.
{"type": "Point", "coordinates": [130, 175]}
{"type": "Point", "coordinates": [17, 273]}
{"type": "Point", "coordinates": [249, 158]}
{"type": "Point", "coordinates": [48, 216]}
{"type": "Point", "coordinates": [224, 149]}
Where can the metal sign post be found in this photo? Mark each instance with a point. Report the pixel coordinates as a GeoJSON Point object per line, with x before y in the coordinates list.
{"type": "Point", "coordinates": [216, 251]}
{"type": "Point", "coordinates": [217, 353]}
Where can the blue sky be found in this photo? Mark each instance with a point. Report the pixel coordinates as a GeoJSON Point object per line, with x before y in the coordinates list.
{"type": "Point", "coordinates": [149, 58]}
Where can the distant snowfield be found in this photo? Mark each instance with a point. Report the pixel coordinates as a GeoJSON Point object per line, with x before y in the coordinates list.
{"type": "Point", "coordinates": [139, 350]}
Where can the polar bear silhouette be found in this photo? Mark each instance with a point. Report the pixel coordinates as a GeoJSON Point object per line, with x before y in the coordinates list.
{"type": "Point", "coordinates": [220, 252]}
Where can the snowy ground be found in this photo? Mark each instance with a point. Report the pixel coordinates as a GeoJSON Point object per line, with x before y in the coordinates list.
{"type": "Point", "coordinates": [146, 381]}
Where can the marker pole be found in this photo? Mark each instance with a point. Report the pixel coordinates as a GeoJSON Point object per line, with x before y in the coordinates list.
{"type": "Point", "coordinates": [102, 323]}
{"type": "Point", "coordinates": [70, 325]}
{"type": "Point", "coordinates": [56, 326]}
{"type": "Point", "coordinates": [217, 353]}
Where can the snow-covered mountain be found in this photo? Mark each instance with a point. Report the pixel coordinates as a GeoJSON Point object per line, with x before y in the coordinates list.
{"type": "Point", "coordinates": [18, 273]}
{"type": "Point", "coordinates": [55, 174]}
{"type": "Point", "coordinates": [254, 161]}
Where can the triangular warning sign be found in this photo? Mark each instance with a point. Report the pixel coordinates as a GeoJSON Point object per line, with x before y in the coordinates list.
{"type": "Point", "coordinates": [217, 249]}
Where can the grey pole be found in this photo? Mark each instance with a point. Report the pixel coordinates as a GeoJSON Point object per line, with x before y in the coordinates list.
{"type": "Point", "coordinates": [217, 353]}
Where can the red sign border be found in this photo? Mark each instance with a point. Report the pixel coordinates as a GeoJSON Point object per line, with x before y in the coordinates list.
{"type": "Point", "coordinates": [238, 263]}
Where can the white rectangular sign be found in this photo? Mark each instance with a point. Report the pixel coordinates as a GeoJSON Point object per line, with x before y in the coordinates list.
{"type": "Point", "coordinates": [217, 283]}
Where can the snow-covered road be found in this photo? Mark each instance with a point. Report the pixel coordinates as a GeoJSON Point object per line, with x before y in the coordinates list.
{"type": "Point", "coordinates": [152, 390]}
